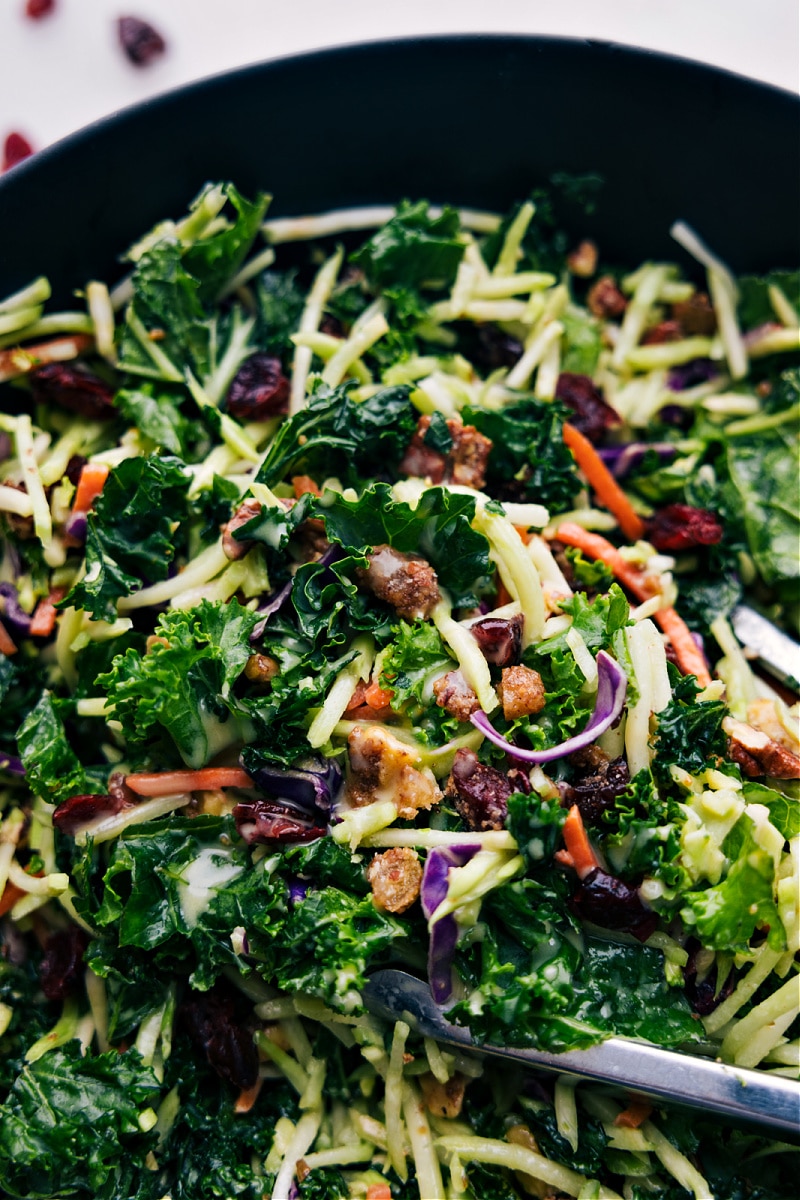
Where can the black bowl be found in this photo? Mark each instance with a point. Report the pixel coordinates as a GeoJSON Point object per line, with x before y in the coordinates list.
{"type": "Point", "coordinates": [469, 119]}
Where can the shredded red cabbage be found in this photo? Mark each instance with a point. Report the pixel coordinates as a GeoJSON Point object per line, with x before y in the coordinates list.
{"type": "Point", "coordinates": [444, 934]}
{"type": "Point", "coordinates": [612, 684]}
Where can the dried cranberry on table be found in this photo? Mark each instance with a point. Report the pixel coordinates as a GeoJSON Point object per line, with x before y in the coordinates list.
{"type": "Point", "coordinates": [591, 416]}
{"type": "Point", "coordinates": [140, 41]}
{"type": "Point", "coordinates": [680, 527]}
{"type": "Point", "coordinates": [15, 150]}
{"type": "Point", "coordinates": [36, 9]}
{"type": "Point", "coordinates": [259, 389]}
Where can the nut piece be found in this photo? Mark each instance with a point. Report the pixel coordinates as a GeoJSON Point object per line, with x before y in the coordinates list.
{"type": "Point", "coordinates": [605, 299]}
{"type": "Point", "coordinates": [582, 261]}
{"type": "Point", "coordinates": [521, 692]}
{"type": "Point", "coordinates": [381, 768]}
{"type": "Point", "coordinates": [406, 581]}
{"type": "Point", "coordinates": [232, 548]}
{"type": "Point", "coordinates": [758, 754]}
{"type": "Point", "coordinates": [260, 668]}
{"type": "Point", "coordinates": [464, 463]}
{"type": "Point", "coordinates": [454, 694]}
{"type": "Point", "coordinates": [395, 877]}
{"type": "Point", "coordinates": [443, 1099]}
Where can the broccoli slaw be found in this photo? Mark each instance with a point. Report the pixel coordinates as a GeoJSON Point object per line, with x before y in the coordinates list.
{"type": "Point", "coordinates": [365, 600]}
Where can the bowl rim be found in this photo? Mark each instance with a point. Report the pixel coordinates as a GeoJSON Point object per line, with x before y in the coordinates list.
{"type": "Point", "coordinates": [531, 41]}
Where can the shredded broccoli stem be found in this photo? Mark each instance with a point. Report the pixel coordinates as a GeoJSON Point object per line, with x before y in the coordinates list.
{"type": "Point", "coordinates": [393, 1101]}
{"type": "Point", "coordinates": [309, 323]}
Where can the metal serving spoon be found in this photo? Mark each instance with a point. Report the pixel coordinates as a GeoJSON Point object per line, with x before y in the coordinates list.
{"type": "Point", "coordinates": [774, 650]}
{"type": "Point", "coordinates": [660, 1074]}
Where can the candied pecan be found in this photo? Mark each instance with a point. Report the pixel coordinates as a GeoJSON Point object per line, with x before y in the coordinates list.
{"type": "Point", "coordinates": [605, 299]}
{"type": "Point", "coordinates": [678, 527]}
{"type": "Point", "coordinates": [259, 389]}
{"type": "Point", "coordinates": [15, 150]}
{"type": "Point", "coordinates": [608, 902]}
{"type": "Point", "coordinates": [695, 316]}
{"type": "Point", "coordinates": [78, 811]}
{"type": "Point", "coordinates": [748, 746]}
{"type": "Point", "coordinates": [521, 692]}
{"type": "Point", "coordinates": [479, 793]}
{"type": "Point", "coordinates": [60, 970]}
{"type": "Point", "coordinates": [443, 1099]}
{"type": "Point", "coordinates": [582, 261]}
{"type": "Point", "coordinates": [140, 41]}
{"type": "Point", "coordinates": [381, 767]}
{"type": "Point", "coordinates": [421, 461]}
{"type": "Point", "coordinates": [665, 331]}
{"type": "Point", "coordinates": [271, 821]}
{"type": "Point", "coordinates": [74, 387]}
{"type": "Point", "coordinates": [394, 877]}
{"type": "Point", "coordinates": [216, 1021]}
{"type": "Point", "coordinates": [591, 415]}
{"type": "Point", "coordinates": [464, 463]}
{"type": "Point", "coordinates": [520, 1135]}
{"type": "Point", "coordinates": [499, 638]}
{"type": "Point", "coordinates": [595, 790]}
{"type": "Point", "coordinates": [406, 581]}
{"type": "Point", "coordinates": [36, 9]}
{"type": "Point", "coordinates": [454, 694]}
{"type": "Point", "coordinates": [247, 511]}
{"type": "Point", "coordinates": [260, 668]}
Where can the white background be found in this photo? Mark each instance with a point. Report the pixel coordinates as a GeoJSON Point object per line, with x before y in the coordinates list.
{"type": "Point", "coordinates": [66, 70]}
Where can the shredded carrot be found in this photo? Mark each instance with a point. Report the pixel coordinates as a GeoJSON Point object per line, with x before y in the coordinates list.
{"type": "Point", "coordinates": [43, 621]}
{"type": "Point", "coordinates": [366, 713]}
{"type": "Point", "coordinates": [688, 654]}
{"type": "Point", "coordinates": [564, 858]}
{"type": "Point", "coordinates": [90, 485]}
{"type": "Point", "coordinates": [247, 1097]}
{"type": "Point", "coordinates": [524, 533]}
{"type": "Point", "coordinates": [379, 1191]}
{"type": "Point", "coordinates": [171, 783]}
{"type": "Point", "coordinates": [303, 484]}
{"type": "Point", "coordinates": [632, 1117]}
{"type": "Point", "coordinates": [378, 697]}
{"type": "Point", "coordinates": [18, 360]}
{"type": "Point", "coordinates": [503, 596]}
{"type": "Point", "coordinates": [9, 898]}
{"type": "Point", "coordinates": [578, 845]}
{"type": "Point", "coordinates": [7, 644]}
{"type": "Point", "coordinates": [358, 697]}
{"type": "Point", "coordinates": [605, 486]}
{"type": "Point", "coordinates": [690, 657]}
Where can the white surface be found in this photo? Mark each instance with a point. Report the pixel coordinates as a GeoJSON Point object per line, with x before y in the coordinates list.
{"type": "Point", "coordinates": [66, 70]}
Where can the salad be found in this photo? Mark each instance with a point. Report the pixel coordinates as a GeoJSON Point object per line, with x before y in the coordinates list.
{"type": "Point", "coordinates": [365, 600]}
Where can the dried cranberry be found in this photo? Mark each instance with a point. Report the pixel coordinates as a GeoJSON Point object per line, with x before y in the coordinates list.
{"type": "Point", "coordinates": [74, 468]}
{"type": "Point", "coordinates": [216, 1021]}
{"type": "Point", "coordinates": [73, 387]}
{"type": "Point", "coordinates": [259, 389]}
{"type": "Point", "coordinates": [332, 326]}
{"type": "Point", "coordinates": [76, 812]}
{"type": "Point", "coordinates": [36, 9]}
{"type": "Point", "coordinates": [682, 527]}
{"type": "Point", "coordinates": [61, 967]}
{"type": "Point", "coordinates": [140, 41]}
{"type": "Point", "coordinates": [596, 792]}
{"type": "Point", "coordinates": [591, 415]}
{"type": "Point", "coordinates": [268, 821]}
{"type": "Point", "coordinates": [696, 316]}
{"type": "Point", "coordinates": [499, 639]}
{"type": "Point", "coordinates": [608, 902]}
{"type": "Point", "coordinates": [704, 996]}
{"type": "Point", "coordinates": [665, 331]}
{"type": "Point", "coordinates": [479, 793]}
{"type": "Point", "coordinates": [493, 349]}
{"type": "Point", "coordinates": [16, 149]}
{"type": "Point", "coordinates": [687, 375]}
{"type": "Point", "coordinates": [519, 781]}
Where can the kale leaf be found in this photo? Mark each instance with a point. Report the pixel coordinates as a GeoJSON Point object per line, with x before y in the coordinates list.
{"type": "Point", "coordinates": [689, 731]}
{"type": "Point", "coordinates": [763, 469]}
{"type": "Point", "coordinates": [52, 767]}
{"type": "Point", "coordinates": [158, 418]}
{"type": "Point", "coordinates": [413, 248]}
{"type": "Point", "coordinates": [215, 259]}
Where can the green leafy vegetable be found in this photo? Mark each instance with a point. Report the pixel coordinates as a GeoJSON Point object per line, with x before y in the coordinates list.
{"type": "Point", "coordinates": [689, 730]}
{"type": "Point", "coordinates": [52, 767]}
{"type": "Point", "coordinates": [413, 248]}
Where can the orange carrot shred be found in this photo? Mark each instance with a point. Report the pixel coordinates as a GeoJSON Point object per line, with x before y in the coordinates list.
{"type": "Point", "coordinates": [90, 485]}
{"type": "Point", "coordinates": [578, 845]}
{"type": "Point", "coordinates": [9, 898]}
{"type": "Point", "coordinates": [632, 1117]}
{"type": "Point", "coordinates": [247, 1097]}
{"type": "Point", "coordinates": [43, 621]}
{"type": "Point", "coordinates": [603, 483]}
{"type": "Point", "coordinates": [303, 484]}
{"type": "Point", "coordinates": [690, 659]}
{"type": "Point", "coordinates": [7, 644]}
{"type": "Point", "coordinates": [378, 697]}
{"type": "Point", "coordinates": [171, 783]}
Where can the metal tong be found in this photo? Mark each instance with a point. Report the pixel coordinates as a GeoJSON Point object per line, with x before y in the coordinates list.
{"type": "Point", "coordinates": [660, 1074]}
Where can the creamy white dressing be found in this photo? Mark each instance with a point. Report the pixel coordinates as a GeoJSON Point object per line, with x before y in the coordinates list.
{"type": "Point", "coordinates": [203, 877]}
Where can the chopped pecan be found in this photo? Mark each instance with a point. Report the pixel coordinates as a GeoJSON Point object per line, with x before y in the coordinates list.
{"type": "Point", "coordinates": [665, 331]}
{"type": "Point", "coordinates": [605, 299]}
{"type": "Point", "coordinates": [443, 1099]}
{"type": "Point", "coordinates": [454, 694]}
{"type": "Point", "coordinates": [479, 793]}
{"type": "Point", "coordinates": [246, 511]}
{"type": "Point", "coordinates": [406, 581]}
{"type": "Point", "coordinates": [695, 316]}
{"type": "Point", "coordinates": [500, 639]}
{"type": "Point", "coordinates": [382, 768]}
{"type": "Point", "coordinates": [521, 692]}
{"type": "Point", "coordinates": [749, 746]}
{"type": "Point", "coordinates": [582, 261]}
{"type": "Point", "coordinates": [464, 463]}
{"type": "Point", "coordinates": [260, 668]}
{"type": "Point", "coordinates": [395, 877]}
